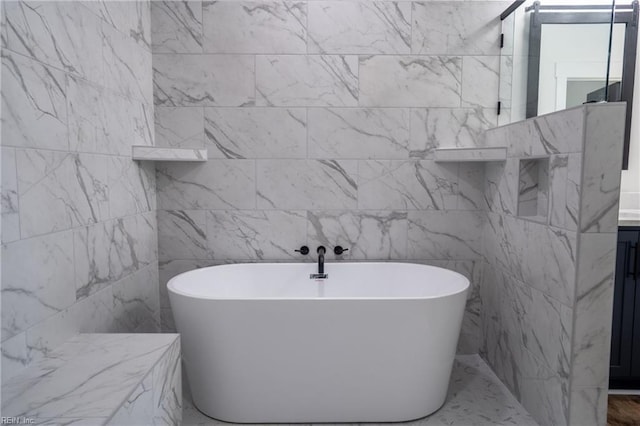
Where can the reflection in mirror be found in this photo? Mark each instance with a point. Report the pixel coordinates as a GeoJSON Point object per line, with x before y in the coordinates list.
{"type": "Point", "coordinates": [556, 56]}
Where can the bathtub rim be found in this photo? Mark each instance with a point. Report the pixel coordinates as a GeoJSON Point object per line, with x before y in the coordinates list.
{"type": "Point", "coordinates": [171, 284]}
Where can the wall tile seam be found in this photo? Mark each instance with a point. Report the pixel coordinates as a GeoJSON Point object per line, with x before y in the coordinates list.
{"type": "Point", "coordinates": [139, 163]}
{"type": "Point", "coordinates": [75, 228]}
{"type": "Point", "coordinates": [81, 77]}
{"type": "Point", "coordinates": [104, 21]}
{"type": "Point", "coordinates": [529, 221]}
{"type": "Point", "coordinates": [527, 285]}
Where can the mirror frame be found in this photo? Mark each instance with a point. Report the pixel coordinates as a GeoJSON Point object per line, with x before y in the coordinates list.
{"type": "Point", "coordinates": [572, 15]}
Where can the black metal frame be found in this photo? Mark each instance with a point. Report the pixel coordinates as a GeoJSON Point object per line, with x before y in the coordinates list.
{"type": "Point", "coordinates": [624, 16]}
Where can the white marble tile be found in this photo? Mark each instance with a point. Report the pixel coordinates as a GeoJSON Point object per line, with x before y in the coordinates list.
{"type": "Point", "coordinates": [255, 27]}
{"type": "Point", "coordinates": [216, 184]}
{"type": "Point", "coordinates": [456, 28]}
{"type": "Point", "coordinates": [410, 81]}
{"type": "Point", "coordinates": [300, 184]}
{"type": "Point", "coordinates": [41, 286]}
{"type": "Point", "coordinates": [131, 18]}
{"type": "Point", "coordinates": [471, 185]}
{"type": "Point", "coordinates": [402, 185]}
{"type": "Point", "coordinates": [311, 80]}
{"type": "Point", "coordinates": [255, 235]}
{"type": "Point", "coordinates": [58, 190]}
{"type": "Point", "coordinates": [256, 132]}
{"type": "Point", "coordinates": [446, 235]}
{"type": "Point", "coordinates": [558, 168]}
{"type": "Point", "coordinates": [34, 112]}
{"type": "Point", "coordinates": [94, 314]}
{"type": "Point", "coordinates": [136, 302]}
{"type": "Point", "coordinates": [176, 27]}
{"type": "Point", "coordinates": [433, 128]}
{"type": "Point", "coordinates": [359, 27]}
{"type": "Point", "coordinates": [604, 135]}
{"type": "Point", "coordinates": [179, 127]}
{"type": "Point", "coordinates": [480, 81]}
{"type": "Point", "coordinates": [58, 34]}
{"type": "Point", "coordinates": [593, 310]}
{"type": "Point", "coordinates": [127, 65]}
{"type": "Point", "coordinates": [131, 187]}
{"type": "Point", "coordinates": [501, 186]}
{"type": "Point", "coordinates": [588, 406]}
{"type": "Point", "coordinates": [89, 376]}
{"type": "Point", "coordinates": [167, 388]}
{"type": "Point", "coordinates": [203, 80]}
{"type": "Point", "coordinates": [108, 251]}
{"type": "Point", "coordinates": [515, 245]}
{"type": "Point", "coordinates": [102, 122]}
{"type": "Point", "coordinates": [574, 183]}
{"type": "Point", "coordinates": [46, 336]}
{"type": "Point", "coordinates": [373, 235]}
{"type": "Point", "coordinates": [14, 356]}
{"type": "Point", "coordinates": [359, 133]}
{"type": "Point", "coordinates": [10, 207]}
{"type": "Point", "coordinates": [137, 408]}
{"type": "Point", "coordinates": [182, 234]}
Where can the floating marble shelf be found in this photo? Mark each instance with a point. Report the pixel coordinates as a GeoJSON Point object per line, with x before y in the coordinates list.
{"type": "Point", "coordinates": [470, 154]}
{"type": "Point", "coordinates": [152, 153]}
{"type": "Point", "coordinates": [108, 378]}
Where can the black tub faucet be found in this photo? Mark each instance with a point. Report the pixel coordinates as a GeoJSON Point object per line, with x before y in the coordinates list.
{"type": "Point", "coordinates": [321, 251]}
{"type": "Point", "coordinates": [320, 275]}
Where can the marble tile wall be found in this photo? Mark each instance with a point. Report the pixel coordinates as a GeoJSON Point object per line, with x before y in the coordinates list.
{"type": "Point", "coordinates": [321, 119]}
{"type": "Point", "coordinates": [79, 234]}
{"type": "Point", "coordinates": [547, 280]}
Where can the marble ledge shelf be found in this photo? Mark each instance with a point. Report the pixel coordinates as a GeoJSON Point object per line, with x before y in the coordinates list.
{"type": "Point", "coordinates": [470, 154]}
{"type": "Point", "coordinates": [152, 153]}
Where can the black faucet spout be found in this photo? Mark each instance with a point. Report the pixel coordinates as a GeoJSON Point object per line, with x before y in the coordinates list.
{"type": "Point", "coordinates": [321, 251]}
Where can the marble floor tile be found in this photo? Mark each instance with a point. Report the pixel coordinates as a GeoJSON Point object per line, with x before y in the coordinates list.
{"type": "Point", "coordinates": [476, 397]}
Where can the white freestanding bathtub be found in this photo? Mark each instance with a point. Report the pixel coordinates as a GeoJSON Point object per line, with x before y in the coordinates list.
{"type": "Point", "coordinates": [264, 343]}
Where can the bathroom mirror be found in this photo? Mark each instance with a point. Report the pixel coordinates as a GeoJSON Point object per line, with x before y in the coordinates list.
{"type": "Point", "coordinates": [563, 55]}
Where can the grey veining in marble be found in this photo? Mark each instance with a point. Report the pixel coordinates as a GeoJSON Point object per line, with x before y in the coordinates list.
{"type": "Point", "coordinates": [177, 26]}
{"type": "Point", "coordinates": [256, 132]}
{"type": "Point", "coordinates": [313, 80]}
{"type": "Point", "coordinates": [179, 127]}
{"type": "Point", "coordinates": [368, 234]}
{"type": "Point", "coordinates": [410, 81]}
{"type": "Point", "coordinates": [297, 184]}
{"type": "Point", "coordinates": [91, 376]}
{"type": "Point", "coordinates": [255, 27]}
{"type": "Point", "coordinates": [456, 28]}
{"type": "Point", "coordinates": [480, 81]}
{"type": "Point", "coordinates": [430, 238]}
{"type": "Point", "coordinates": [359, 27]}
{"type": "Point", "coordinates": [203, 80]}
{"type": "Point", "coordinates": [433, 128]}
{"type": "Point", "coordinates": [216, 184]}
{"type": "Point", "coordinates": [402, 185]}
{"type": "Point", "coordinates": [255, 235]}
{"type": "Point", "coordinates": [34, 112]}
{"type": "Point", "coordinates": [359, 132]}
{"type": "Point", "coordinates": [10, 207]}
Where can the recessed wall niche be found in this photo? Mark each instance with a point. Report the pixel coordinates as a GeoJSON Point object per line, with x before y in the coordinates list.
{"type": "Point", "coordinates": [533, 189]}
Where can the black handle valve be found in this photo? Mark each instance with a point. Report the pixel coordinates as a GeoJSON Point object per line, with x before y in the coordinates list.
{"type": "Point", "coordinates": [321, 250]}
{"type": "Point", "coordinates": [338, 250]}
{"type": "Point", "coordinates": [304, 250]}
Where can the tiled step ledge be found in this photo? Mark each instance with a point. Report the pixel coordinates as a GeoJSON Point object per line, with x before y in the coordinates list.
{"type": "Point", "coordinates": [470, 154]}
{"type": "Point", "coordinates": [152, 153]}
{"type": "Point", "coordinates": [101, 379]}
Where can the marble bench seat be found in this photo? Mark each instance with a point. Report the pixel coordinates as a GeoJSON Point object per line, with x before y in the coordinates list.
{"type": "Point", "coordinates": [98, 379]}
